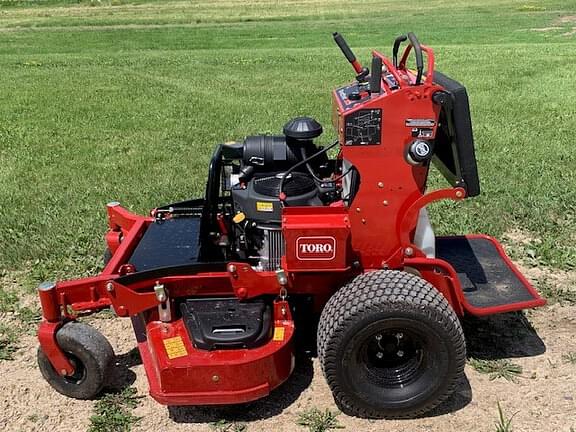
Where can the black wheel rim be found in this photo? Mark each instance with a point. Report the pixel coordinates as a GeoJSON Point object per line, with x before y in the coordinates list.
{"type": "Point", "coordinates": [79, 371]}
{"type": "Point", "coordinates": [392, 357]}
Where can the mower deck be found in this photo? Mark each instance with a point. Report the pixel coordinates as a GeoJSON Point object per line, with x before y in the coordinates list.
{"type": "Point", "coordinates": [182, 374]}
{"type": "Point", "coordinates": [490, 282]}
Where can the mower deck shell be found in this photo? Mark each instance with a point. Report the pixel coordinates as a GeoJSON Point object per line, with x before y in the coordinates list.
{"type": "Point", "coordinates": [201, 377]}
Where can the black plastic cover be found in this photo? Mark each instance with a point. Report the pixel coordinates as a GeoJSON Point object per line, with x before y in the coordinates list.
{"type": "Point", "coordinates": [454, 144]}
{"type": "Point", "coordinates": [302, 128]}
{"type": "Point", "coordinates": [168, 243]}
{"type": "Point", "coordinates": [227, 323]}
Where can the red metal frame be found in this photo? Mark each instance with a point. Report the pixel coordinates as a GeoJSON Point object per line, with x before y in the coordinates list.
{"type": "Point", "coordinates": [374, 232]}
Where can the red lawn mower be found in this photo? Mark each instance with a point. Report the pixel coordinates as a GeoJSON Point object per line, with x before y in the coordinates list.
{"type": "Point", "coordinates": [216, 288]}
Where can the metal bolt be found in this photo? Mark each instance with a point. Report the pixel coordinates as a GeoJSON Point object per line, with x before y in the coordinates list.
{"type": "Point", "coordinates": [363, 221]}
{"type": "Point", "coordinates": [63, 372]}
{"type": "Point", "coordinates": [46, 286]}
{"type": "Point", "coordinates": [215, 378]}
{"type": "Point", "coordinates": [378, 337]}
{"type": "Point", "coordinates": [459, 194]}
{"type": "Point", "coordinates": [232, 268]}
{"type": "Point", "coordinates": [399, 335]}
{"type": "Point", "coordinates": [408, 251]}
{"type": "Point", "coordinates": [358, 209]}
{"type": "Point", "coordinates": [380, 185]}
{"type": "Point", "coordinates": [400, 353]}
{"type": "Point", "coordinates": [385, 202]}
{"type": "Point", "coordinates": [110, 287]}
{"type": "Point", "coordinates": [379, 355]}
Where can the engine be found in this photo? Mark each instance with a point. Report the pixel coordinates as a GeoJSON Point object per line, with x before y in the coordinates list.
{"type": "Point", "coordinates": [274, 172]}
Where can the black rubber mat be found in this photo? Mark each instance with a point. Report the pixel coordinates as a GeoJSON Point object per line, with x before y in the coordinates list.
{"type": "Point", "coordinates": [486, 279]}
{"type": "Point", "coordinates": [173, 242]}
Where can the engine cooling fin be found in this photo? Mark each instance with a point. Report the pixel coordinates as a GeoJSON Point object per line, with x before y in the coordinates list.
{"type": "Point", "coordinates": [295, 184]}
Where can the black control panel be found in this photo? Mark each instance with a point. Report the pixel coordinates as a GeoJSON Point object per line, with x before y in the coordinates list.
{"type": "Point", "coordinates": [351, 95]}
{"type": "Point", "coordinates": [363, 127]}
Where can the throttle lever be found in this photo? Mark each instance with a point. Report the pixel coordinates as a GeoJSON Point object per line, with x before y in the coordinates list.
{"type": "Point", "coordinates": [349, 54]}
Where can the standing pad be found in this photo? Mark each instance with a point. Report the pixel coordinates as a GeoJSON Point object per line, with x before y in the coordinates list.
{"type": "Point", "coordinates": [173, 242]}
{"type": "Point", "coordinates": [487, 279]}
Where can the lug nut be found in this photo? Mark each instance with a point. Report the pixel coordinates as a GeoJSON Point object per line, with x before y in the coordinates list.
{"type": "Point", "coordinates": [400, 353]}
{"type": "Point", "coordinates": [379, 355]}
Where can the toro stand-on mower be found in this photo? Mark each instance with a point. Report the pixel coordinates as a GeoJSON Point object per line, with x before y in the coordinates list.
{"type": "Point", "coordinates": [214, 286]}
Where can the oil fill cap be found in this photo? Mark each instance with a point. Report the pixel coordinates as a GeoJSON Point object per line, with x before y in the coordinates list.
{"type": "Point", "coordinates": [239, 217]}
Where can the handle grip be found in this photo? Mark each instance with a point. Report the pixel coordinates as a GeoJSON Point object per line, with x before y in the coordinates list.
{"type": "Point", "coordinates": [419, 59]}
{"type": "Point", "coordinates": [397, 42]}
{"type": "Point", "coordinates": [344, 47]}
{"type": "Point", "coordinates": [347, 51]}
{"type": "Point", "coordinates": [376, 77]}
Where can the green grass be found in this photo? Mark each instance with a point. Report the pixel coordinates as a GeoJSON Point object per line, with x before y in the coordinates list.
{"type": "Point", "coordinates": [228, 426]}
{"type": "Point", "coordinates": [317, 420]}
{"type": "Point", "coordinates": [501, 368]}
{"type": "Point", "coordinates": [8, 301]}
{"type": "Point", "coordinates": [556, 294]}
{"type": "Point", "coordinates": [569, 358]}
{"type": "Point", "coordinates": [8, 341]}
{"type": "Point", "coordinates": [126, 100]}
{"type": "Point", "coordinates": [504, 423]}
{"type": "Point", "coordinates": [113, 412]}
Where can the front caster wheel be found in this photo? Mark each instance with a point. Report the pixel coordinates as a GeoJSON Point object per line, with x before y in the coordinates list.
{"type": "Point", "coordinates": [91, 355]}
{"type": "Point", "coordinates": [390, 346]}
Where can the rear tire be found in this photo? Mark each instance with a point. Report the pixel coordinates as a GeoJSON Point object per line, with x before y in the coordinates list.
{"type": "Point", "coordinates": [390, 346]}
{"type": "Point", "coordinates": [90, 353]}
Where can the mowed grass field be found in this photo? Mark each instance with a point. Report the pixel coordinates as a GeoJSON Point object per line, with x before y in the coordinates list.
{"type": "Point", "coordinates": [115, 100]}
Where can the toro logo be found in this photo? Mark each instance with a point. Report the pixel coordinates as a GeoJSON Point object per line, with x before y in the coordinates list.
{"type": "Point", "coordinates": [315, 248]}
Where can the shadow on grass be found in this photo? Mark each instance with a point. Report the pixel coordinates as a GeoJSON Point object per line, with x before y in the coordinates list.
{"type": "Point", "coordinates": [490, 338]}
{"type": "Point", "coordinates": [122, 376]}
{"type": "Point", "coordinates": [501, 336]}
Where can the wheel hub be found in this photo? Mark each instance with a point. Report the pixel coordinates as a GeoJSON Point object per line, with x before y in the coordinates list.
{"type": "Point", "coordinates": [392, 357]}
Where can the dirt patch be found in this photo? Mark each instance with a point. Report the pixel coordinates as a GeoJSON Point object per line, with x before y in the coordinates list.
{"type": "Point", "coordinates": [96, 27]}
{"type": "Point", "coordinates": [567, 19]}
{"type": "Point", "coordinates": [544, 399]}
{"type": "Point", "coordinates": [520, 237]}
{"type": "Point", "coordinates": [546, 29]}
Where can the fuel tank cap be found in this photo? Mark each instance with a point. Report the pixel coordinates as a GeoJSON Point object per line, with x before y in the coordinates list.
{"type": "Point", "coordinates": [302, 128]}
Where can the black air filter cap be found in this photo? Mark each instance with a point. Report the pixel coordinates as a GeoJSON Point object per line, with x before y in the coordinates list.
{"type": "Point", "coordinates": [302, 128]}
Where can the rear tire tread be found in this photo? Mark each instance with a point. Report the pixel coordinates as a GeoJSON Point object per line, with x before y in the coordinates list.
{"type": "Point", "coordinates": [369, 293]}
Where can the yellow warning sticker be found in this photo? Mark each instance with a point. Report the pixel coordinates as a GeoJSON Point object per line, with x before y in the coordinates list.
{"type": "Point", "coordinates": [278, 334]}
{"type": "Point", "coordinates": [264, 206]}
{"type": "Point", "coordinates": [175, 347]}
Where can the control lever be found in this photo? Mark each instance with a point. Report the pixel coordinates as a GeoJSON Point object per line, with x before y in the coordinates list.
{"type": "Point", "coordinates": [419, 60]}
{"type": "Point", "coordinates": [376, 77]}
{"type": "Point", "coordinates": [397, 42]}
{"type": "Point", "coordinates": [361, 71]}
{"type": "Point", "coordinates": [417, 52]}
